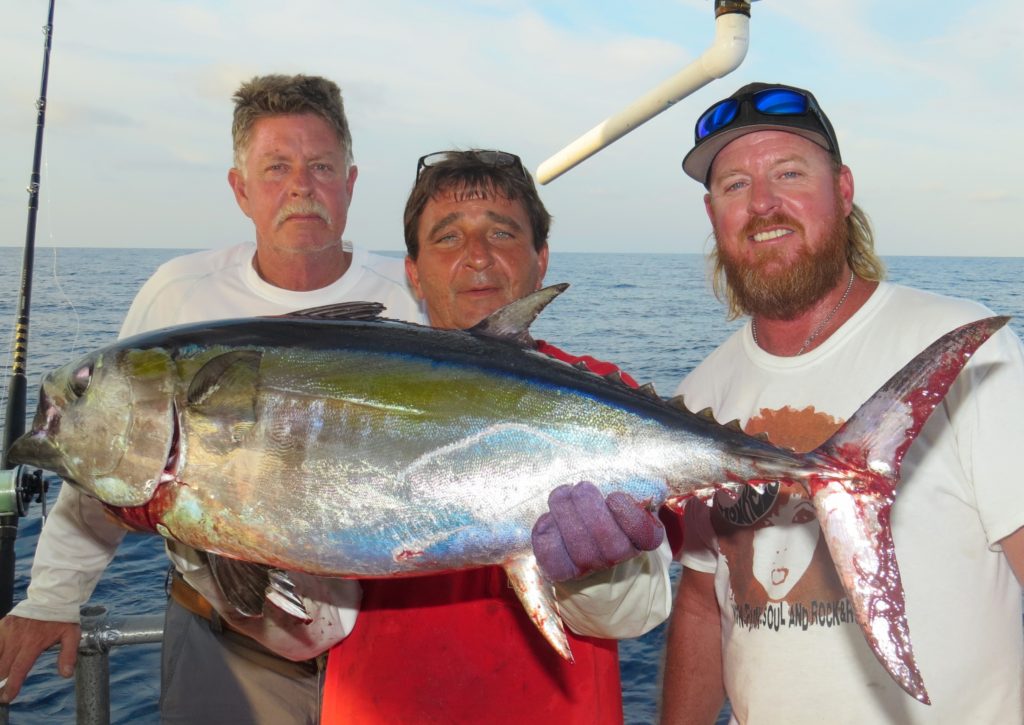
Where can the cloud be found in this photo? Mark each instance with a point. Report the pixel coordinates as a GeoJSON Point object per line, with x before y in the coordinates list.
{"type": "Point", "coordinates": [923, 101]}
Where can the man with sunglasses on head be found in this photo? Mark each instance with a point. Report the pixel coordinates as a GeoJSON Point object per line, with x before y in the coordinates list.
{"type": "Point", "coordinates": [293, 176]}
{"type": "Point", "coordinates": [769, 627]}
{"type": "Point", "coordinates": [459, 647]}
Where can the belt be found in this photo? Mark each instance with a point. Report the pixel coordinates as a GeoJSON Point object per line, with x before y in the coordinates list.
{"type": "Point", "coordinates": [183, 593]}
{"type": "Point", "coordinates": [193, 601]}
{"type": "Point", "coordinates": [188, 598]}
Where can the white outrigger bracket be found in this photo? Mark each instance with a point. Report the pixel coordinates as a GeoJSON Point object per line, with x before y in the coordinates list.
{"type": "Point", "coordinates": [732, 25]}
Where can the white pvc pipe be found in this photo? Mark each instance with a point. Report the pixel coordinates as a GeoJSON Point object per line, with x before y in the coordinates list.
{"type": "Point", "coordinates": [724, 56]}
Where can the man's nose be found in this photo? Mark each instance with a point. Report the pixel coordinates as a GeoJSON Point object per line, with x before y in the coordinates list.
{"type": "Point", "coordinates": [763, 198]}
{"type": "Point", "coordinates": [478, 251]}
{"type": "Point", "coordinates": [301, 181]}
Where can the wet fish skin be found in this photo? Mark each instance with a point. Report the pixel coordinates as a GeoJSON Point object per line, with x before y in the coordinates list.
{"type": "Point", "coordinates": [376, 448]}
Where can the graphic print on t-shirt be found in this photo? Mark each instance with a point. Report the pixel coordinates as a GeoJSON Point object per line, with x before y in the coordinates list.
{"type": "Point", "coordinates": [780, 571]}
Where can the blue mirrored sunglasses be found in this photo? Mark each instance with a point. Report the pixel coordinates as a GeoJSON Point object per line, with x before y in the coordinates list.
{"type": "Point", "coordinates": [491, 158]}
{"type": "Point", "coordinates": [768, 102]}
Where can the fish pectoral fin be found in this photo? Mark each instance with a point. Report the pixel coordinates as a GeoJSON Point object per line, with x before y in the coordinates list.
{"type": "Point", "coordinates": [537, 596]}
{"type": "Point", "coordinates": [244, 584]}
{"type": "Point", "coordinates": [856, 527]}
{"type": "Point", "coordinates": [226, 386]}
{"type": "Point", "coordinates": [224, 392]}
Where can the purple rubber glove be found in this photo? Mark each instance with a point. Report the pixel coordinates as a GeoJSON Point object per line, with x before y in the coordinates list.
{"type": "Point", "coordinates": [585, 532]}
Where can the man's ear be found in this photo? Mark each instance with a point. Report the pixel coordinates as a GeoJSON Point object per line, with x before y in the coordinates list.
{"type": "Point", "coordinates": [845, 186]}
{"type": "Point", "coordinates": [350, 182]}
{"type": "Point", "coordinates": [413, 275]}
{"type": "Point", "coordinates": [237, 183]}
{"type": "Point", "coordinates": [542, 265]}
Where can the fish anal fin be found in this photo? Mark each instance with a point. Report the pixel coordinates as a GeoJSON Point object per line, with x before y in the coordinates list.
{"type": "Point", "coordinates": [856, 527]}
{"type": "Point", "coordinates": [537, 597]}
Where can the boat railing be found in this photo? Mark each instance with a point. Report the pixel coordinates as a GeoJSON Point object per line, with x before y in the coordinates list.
{"type": "Point", "coordinates": [101, 632]}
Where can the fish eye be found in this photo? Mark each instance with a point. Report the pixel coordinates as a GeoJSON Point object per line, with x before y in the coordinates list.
{"type": "Point", "coordinates": [79, 382]}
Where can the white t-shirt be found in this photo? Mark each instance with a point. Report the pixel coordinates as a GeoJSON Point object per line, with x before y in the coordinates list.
{"type": "Point", "coordinates": [79, 538]}
{"type": "Point", "coordinates": [792, 652]}
{"type": "Point", "coordinates": [222, 284]}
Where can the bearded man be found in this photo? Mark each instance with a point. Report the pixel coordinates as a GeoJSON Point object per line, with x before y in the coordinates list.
{"type": "Point", "coordinates": [794, 252]}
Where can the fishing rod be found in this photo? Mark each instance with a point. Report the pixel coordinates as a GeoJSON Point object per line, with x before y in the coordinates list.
{"type": "Point", "coordinates": [19, 486]}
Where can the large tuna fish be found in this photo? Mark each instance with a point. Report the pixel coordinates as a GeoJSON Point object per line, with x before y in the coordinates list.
{"type": "Point", "coordinates": [373, 448]}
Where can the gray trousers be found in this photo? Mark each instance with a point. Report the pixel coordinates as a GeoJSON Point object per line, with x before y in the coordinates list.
{"type": "Point", "coordinates": [212, 678]}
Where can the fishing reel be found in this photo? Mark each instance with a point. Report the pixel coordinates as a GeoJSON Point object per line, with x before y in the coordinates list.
{"type": "Point", "coordinates": [19, 486]}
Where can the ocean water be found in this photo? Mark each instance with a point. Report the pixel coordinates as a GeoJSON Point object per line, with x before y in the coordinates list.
{"type": "Point", "coordinates": [653, 314]}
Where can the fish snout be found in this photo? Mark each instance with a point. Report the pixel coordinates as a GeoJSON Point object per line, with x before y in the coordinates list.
{"type": "Point", "coordinates": [35, 448]}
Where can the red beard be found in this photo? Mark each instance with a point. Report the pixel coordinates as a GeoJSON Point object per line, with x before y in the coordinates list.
{"type": "Point", "coordinates": [770, 289]}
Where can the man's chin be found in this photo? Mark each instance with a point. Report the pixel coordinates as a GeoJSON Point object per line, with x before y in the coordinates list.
{"type": "Point", "coordinates": [473, 307]}
{"type": "Point", "coordinates": [307, 244]}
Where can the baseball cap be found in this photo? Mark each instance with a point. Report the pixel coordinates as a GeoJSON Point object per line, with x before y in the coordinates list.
{"type": "Point", "coordinates": [757, 107]}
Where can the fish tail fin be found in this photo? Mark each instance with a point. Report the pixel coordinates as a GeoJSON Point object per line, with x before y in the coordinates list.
{"type": "Point", "coordinates": [537, 596]}
{"type": "Point", "coordinates": [854, 507]}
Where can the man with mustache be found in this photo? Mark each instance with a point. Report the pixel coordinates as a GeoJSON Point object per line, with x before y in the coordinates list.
{"type": "Point", "coordinates": [795, 253]}
{"type": "Point", "coordinates": [459, 647]}
{"type": "Point", "coordinates": [293, 176]}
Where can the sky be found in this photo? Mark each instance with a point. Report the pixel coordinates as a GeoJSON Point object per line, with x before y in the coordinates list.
{"type": "Point", "coordinates": [925, 97]}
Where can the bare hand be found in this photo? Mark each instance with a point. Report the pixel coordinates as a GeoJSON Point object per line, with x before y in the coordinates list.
{"type": "Point", "coordinates": [585, 532]}
{"type": "Point", "coordinates": [23, 640]}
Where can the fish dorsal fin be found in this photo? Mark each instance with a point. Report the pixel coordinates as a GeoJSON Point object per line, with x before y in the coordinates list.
{"type": "Point", "coordinates": [734, 424]}
{"type": "Point", "coordinates": [706, 414]}
{"type": "Point", "coordinates": [614, 377]}
{"type": "Point", "coordinates": [581, 366]}
{"type": "Point", "coordinates": [341, 311]}
{"type": "Point", "coordinates": [512, 322]}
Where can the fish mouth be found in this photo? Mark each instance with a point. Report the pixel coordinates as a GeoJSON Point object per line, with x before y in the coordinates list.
{"type": "Point", "coordinates": [172, 464]}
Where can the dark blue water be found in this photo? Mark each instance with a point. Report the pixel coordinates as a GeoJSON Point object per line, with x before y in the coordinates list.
{"type": "Point", "coordinates": [653, 314]}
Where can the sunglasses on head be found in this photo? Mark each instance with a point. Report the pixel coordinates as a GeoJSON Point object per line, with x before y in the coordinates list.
{"type": "Point", "coordinates": [498, 159]}
{"type": "Point", "coordinates": [777, 101]}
